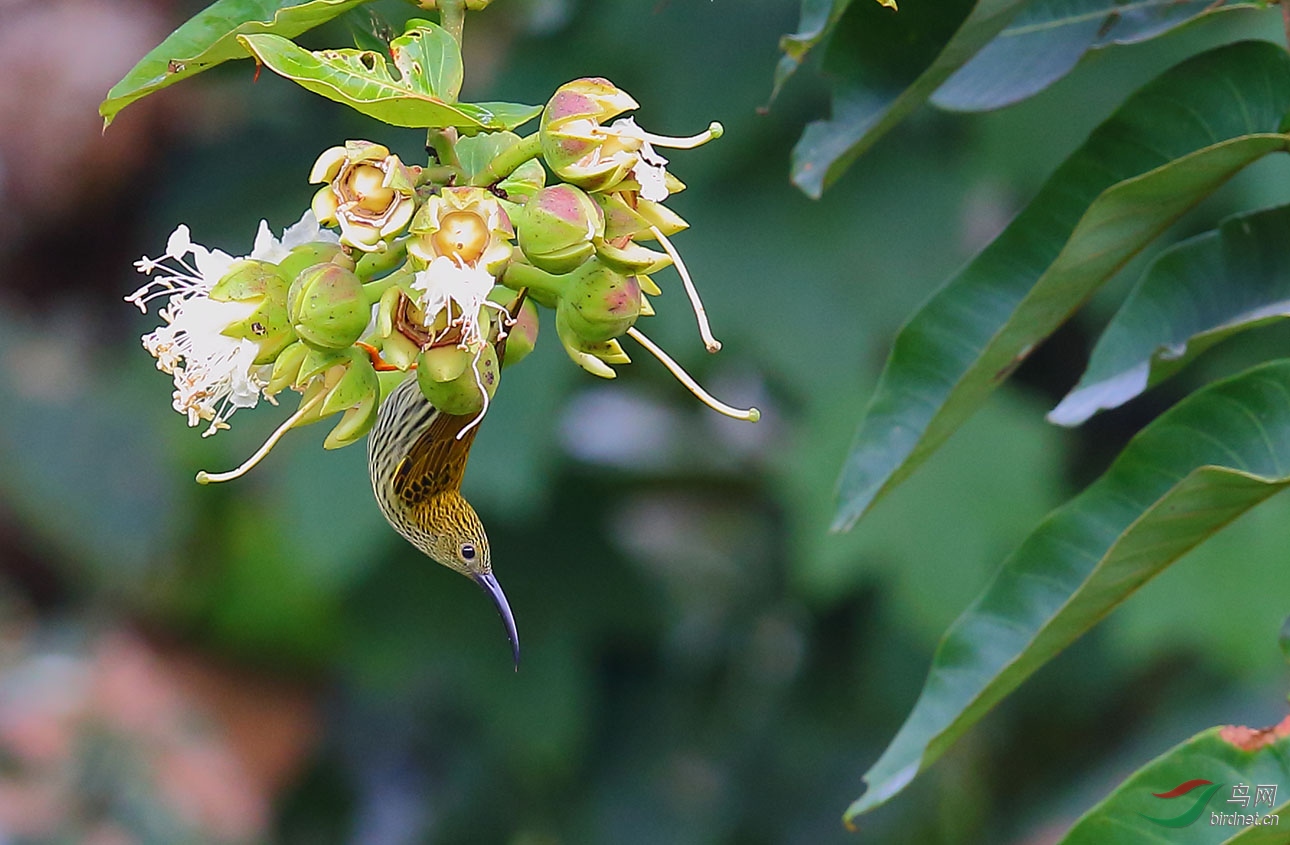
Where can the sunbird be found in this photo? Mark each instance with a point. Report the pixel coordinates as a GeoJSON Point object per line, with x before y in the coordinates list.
{"type": "Point", "coordinates": [416, 458]}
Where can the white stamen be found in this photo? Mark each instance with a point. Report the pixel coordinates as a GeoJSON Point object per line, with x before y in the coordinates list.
{"type": "Point", "coordinates": [205, 477]}
{"type": "Point", "coordinates": [705, 331]}
{"type": "Point", "coordinates": [750, 415]}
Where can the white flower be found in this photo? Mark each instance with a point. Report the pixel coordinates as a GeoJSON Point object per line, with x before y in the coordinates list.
{"type": "Point", "coordinates": [304, 231]}
{"type": "Point", "coordinates": [214, 374]}
{"type": "Point", "coordinates": [445, 284]}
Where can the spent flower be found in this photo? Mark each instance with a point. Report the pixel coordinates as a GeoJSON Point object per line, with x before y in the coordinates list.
{"type": "Point", "coordinates": [369, 193]}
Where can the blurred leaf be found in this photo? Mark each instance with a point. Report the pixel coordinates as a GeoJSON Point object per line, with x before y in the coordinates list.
{"type": "Point", "coordinates": [1135, 813]}
{"type": "Point", "coordinates": [1199, 466]}
{"type": "Point", "coordinates": [1165, 149]}
{"type": "Point", "coordinates": [208, 39]}
{"type": "Point", "coordinates": [1047, 38]}
{"type": "Point", "coordinates": [818, 19]}
{"type": "Point", "coordinates": [1193, 296]}
{"type": "Point", "coordinates": [1284, 640]}
{"type": "Point", "coordinates": [477, 152]}
{"type": "Point", "coordinates": [362, 81]}
{"type": "Point", "coordinates": [883, 65]}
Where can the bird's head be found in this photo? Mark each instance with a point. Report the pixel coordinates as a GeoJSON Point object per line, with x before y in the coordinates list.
{"type": "Point", "coordinates": [458, 541]}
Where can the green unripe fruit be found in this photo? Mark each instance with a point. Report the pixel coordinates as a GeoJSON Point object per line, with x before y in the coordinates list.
{"type": "Point", "coordinates": [327, 307]}
{"type": "Point", "coordinates": [599, 303]}
{"type": "Point", "coordinates": [557, 227]}
{"type": "Point", "coordinates": [462, 395]}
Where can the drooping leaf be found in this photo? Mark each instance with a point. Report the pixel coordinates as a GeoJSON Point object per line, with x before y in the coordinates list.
{"type": "Point", "coordinates": [817, 20]}
{"type": "Point", "coordinates": [1199, 466]}
{"type": "Point", "coordinates": [1171, 798]}
{"type": "Point", "coordinates": [883, 65]}
{"type": "Point", "coordinates": [363, 81]}
{"type": "Point", "coordinates": [1048, 37]}
{"type": "Point", "coordinates": [1170, 145]}
{"type": "Point", "coordinates": [1193, 295]}
{"type": "Point", "coordinates": [210, 38]}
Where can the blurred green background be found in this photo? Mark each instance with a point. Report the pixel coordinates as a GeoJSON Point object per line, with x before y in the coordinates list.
{"type": "Point", "coordinates": [703, 663]}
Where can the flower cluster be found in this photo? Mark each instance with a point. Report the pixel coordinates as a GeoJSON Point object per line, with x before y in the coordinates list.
{"type": "Point", "coordinates": [431, 268]}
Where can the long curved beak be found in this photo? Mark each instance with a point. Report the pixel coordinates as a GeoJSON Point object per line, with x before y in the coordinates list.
{"type": "Point", "coordinates": [489, 582]}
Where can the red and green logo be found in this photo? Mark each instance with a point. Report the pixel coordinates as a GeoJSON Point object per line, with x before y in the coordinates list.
{"type": "Point", "coordinates": [1193, 812]}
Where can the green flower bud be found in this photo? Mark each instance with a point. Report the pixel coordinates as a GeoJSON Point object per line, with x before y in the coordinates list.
{"type": "Point", "coordinates": [267, 326]}
{"type": "Point", "coordinates": [462, 395]}
{"type": "Point", "coordinates": [327, 307]}
{"type": "Point", "coordinates": [599, 303]}
{"type": "Point", "coordinates": [557, 228]}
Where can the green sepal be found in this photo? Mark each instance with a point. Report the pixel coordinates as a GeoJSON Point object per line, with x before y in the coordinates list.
{"type": "Point", "coordinates": [357, 385]}
{"type": "Point", "coordinates": [249, 280]}
{"type": "Point", "coordinates": [443, 363]}
{"type": "Point", "coordinates": [316, 362]}
{"type": "Point", "coordinates": [307, 255]}
{"type": "Point", "coordinates": [621, 220]}
{"type": "Point", "coordinates": [286, 368]}
{"type": "Point", "coordinates": [631, 258]}
{"type": "Point", "coordinates": [525, 181]}
{"type": "Point", "coordinates": [590, 356]}
{"type": "Point", "coordinates": [380, 263]}
{"type": "Point", "coordinates": [661, 217]}
{"type": "Point", "coordinates": [354, 423]}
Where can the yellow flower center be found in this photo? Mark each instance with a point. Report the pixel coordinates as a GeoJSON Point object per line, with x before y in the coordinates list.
{"type": "Point", "coordinates": [365, 185]}
{"type": "Point", "coordinates": [462, 235]}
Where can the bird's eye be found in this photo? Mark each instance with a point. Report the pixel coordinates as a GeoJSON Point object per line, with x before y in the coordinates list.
{"type": "Point", "coordinates": [467, 551]}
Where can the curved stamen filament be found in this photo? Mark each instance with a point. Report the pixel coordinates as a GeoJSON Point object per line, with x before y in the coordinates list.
{"type": "Point", "coordinates": [750, 415]}
{"type": "Point", "coordinates": [713, 132]}
{"type": "Point", "coordinates": [205, 477]}
{"type": "Point", "coordinates": [700, 313]}
{"type": "Point", "coordinates": [479, 382]}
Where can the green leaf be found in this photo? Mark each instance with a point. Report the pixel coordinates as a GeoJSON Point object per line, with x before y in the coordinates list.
{"type": "Point", "coordinates": [884, 65]}
{"type": "Point", "coordinates": [362, 81]}
{"type": "Point", "coordinates": [1047, 38]}
{"type": "Point", "coordinates": [1193, 295]}
{"type": "Point", "coordinates": [1134, 813]}
{"type": "Point", "coordinates": [1165, 149]}
{"type": "Point", "coordinates": [425, 51]}
{"type": "Point", "coordinates": [475, 154]}
{"type": "Point", "coordinates": [818, 19]}
{"type": "Point", "coordinates": [209, 38]}
{"type": "Point", "coordinates": [1199, 466]}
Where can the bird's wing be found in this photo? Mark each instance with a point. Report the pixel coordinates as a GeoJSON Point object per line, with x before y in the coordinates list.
{"type": "Point", "coordinates": [437, 460]}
